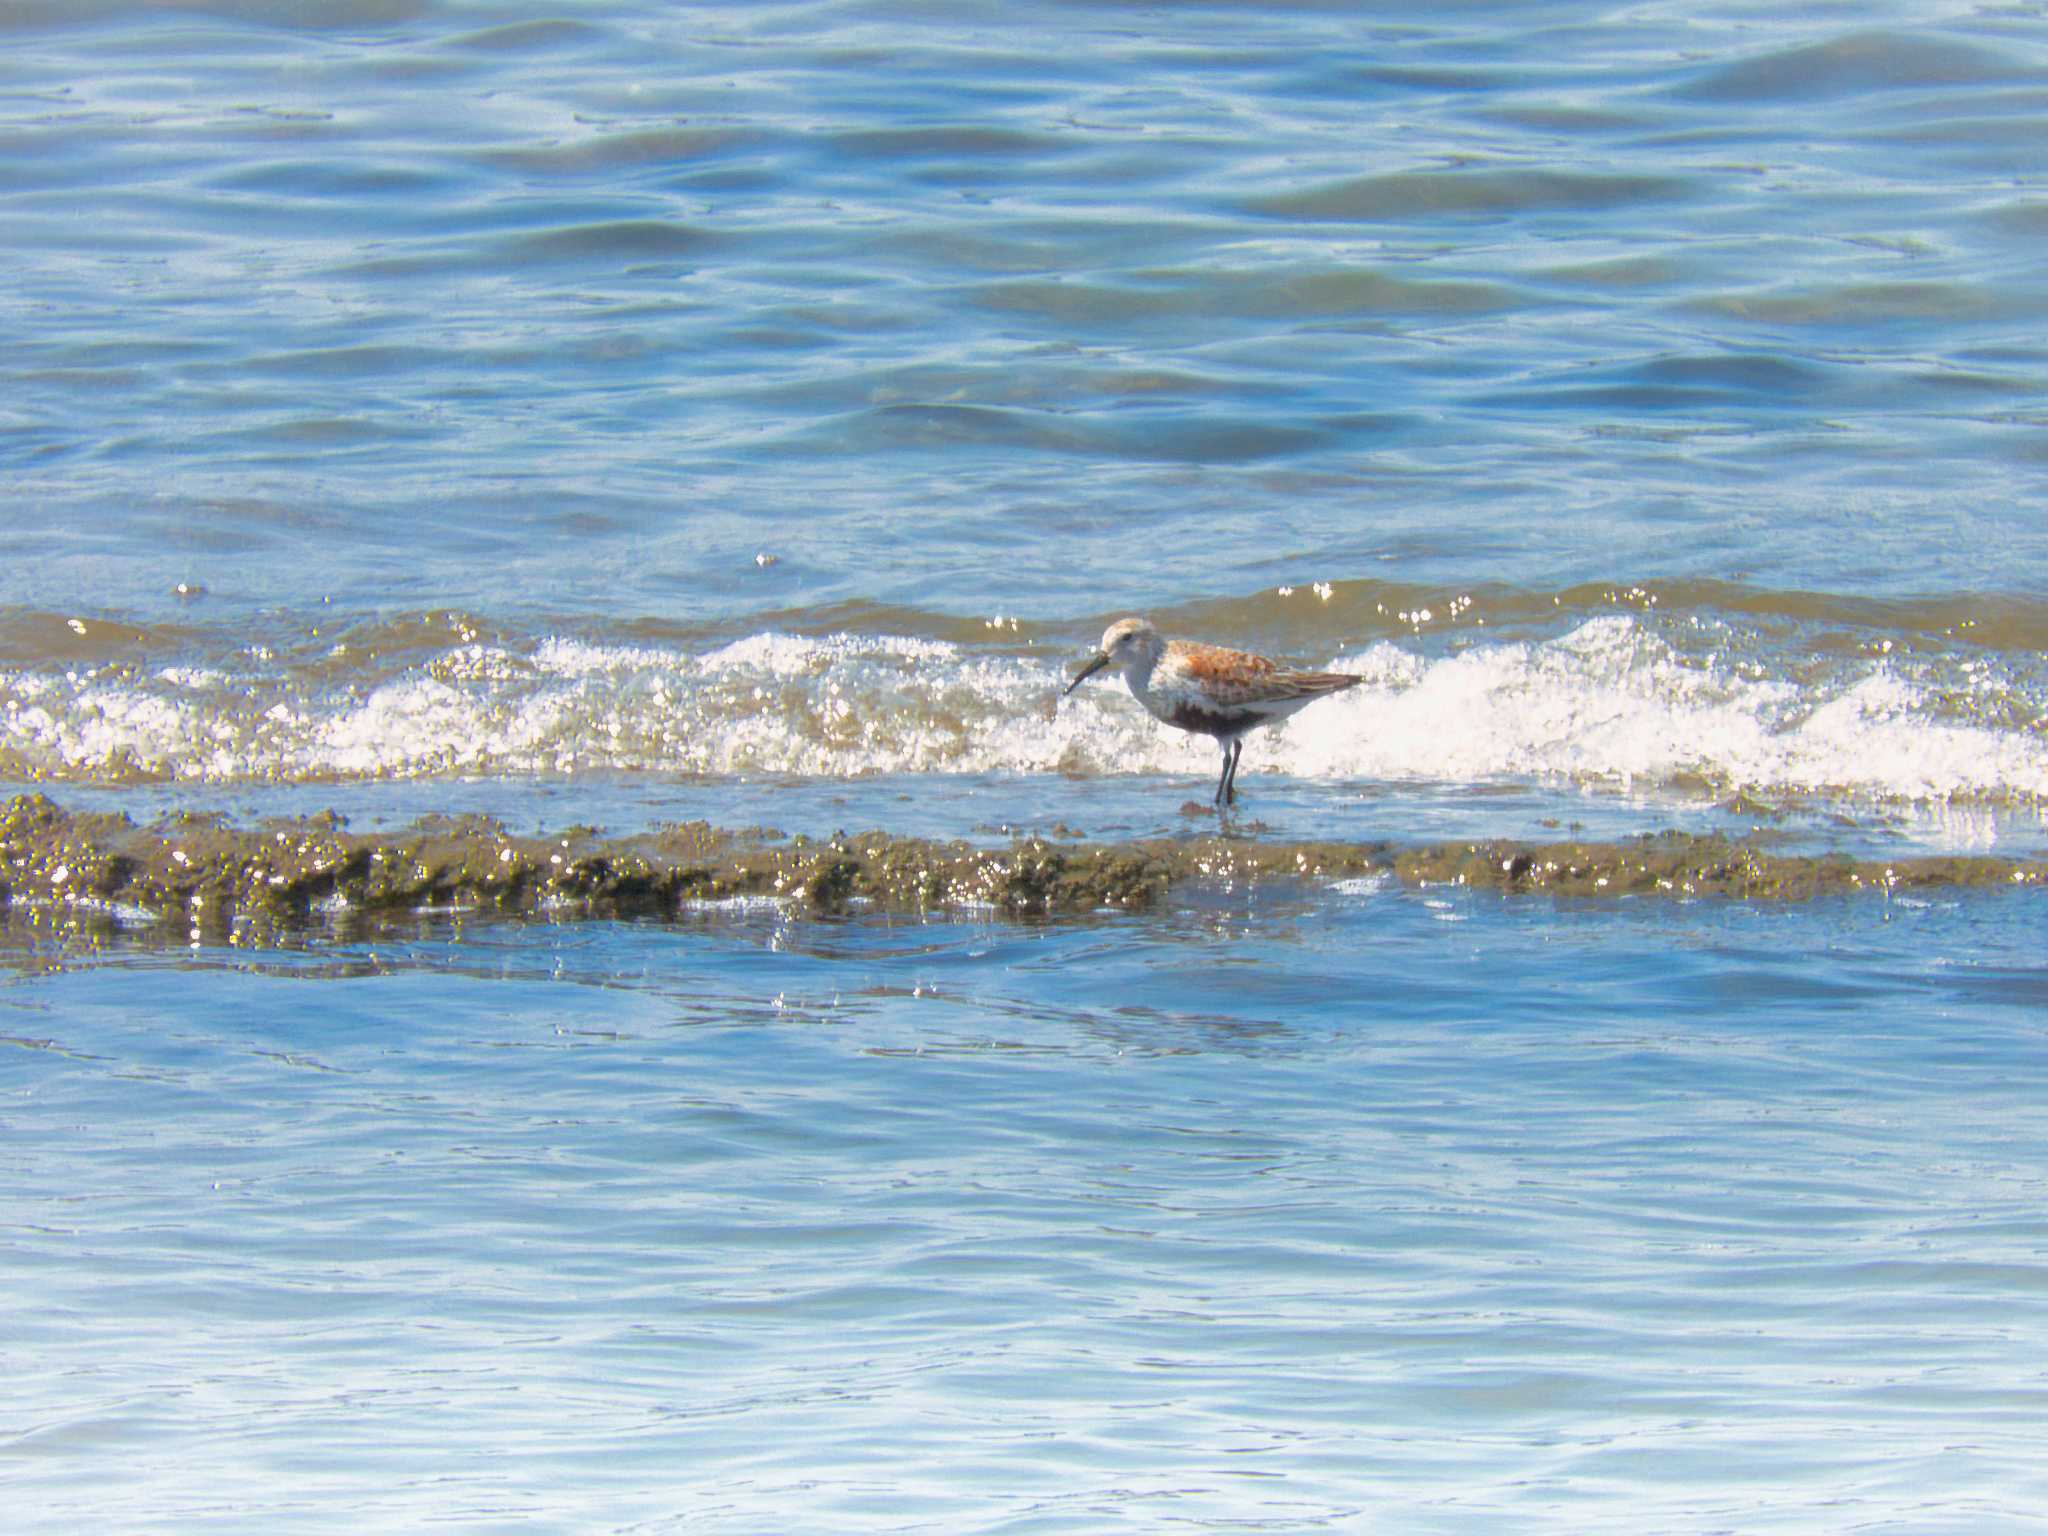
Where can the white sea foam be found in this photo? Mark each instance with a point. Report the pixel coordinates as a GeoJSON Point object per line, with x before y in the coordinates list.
{"type": "Point", "coordinates": [1609, 704]}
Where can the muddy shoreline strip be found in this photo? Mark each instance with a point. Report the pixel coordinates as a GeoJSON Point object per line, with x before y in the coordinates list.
{"type": "Point", "coordinates": [197, 874]}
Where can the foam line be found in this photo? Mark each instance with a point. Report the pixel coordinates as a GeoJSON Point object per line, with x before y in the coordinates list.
{"type": "Point", "coordinates": [1611, 703]}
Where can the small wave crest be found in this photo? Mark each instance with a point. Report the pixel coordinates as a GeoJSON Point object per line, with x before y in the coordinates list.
{"type": "Point", "coordinates": [1614, 704]}
{"type": "Point", "coordinates": [1616, 701]}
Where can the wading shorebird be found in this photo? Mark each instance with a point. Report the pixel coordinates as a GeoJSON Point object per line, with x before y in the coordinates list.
{"type": "Point", "coordinates": [1205, 688]}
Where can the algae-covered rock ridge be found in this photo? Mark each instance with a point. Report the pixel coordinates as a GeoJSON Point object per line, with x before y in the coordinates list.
{"type": "Point", "coordinates": [197, 874]}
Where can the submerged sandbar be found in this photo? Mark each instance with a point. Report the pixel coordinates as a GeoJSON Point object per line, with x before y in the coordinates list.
{"type": "Point", "coordinates": [199, 874]}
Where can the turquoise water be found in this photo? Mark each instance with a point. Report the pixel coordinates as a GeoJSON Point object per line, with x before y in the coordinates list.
{"type": "Point", "coordinates": [635, 412]}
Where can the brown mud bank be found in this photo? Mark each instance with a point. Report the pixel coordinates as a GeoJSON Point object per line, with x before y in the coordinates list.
{"type": "Point", "coordinates": [197, 874]}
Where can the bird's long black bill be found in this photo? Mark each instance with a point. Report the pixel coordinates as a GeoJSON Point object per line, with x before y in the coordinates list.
{"type": "Point", "coordinates": [1095, 664]}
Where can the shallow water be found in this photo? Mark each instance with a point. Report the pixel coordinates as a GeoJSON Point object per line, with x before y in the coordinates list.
{"type": "Point", "coordinates": [638, 413]}
{"type": "Point", "coordinates": [1432, 1211]}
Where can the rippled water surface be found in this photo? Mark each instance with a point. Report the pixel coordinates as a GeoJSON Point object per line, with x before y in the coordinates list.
{"type": "Point", "coordinates": [1376, 1210]}
{"type": "Point", "coordinates": [437, 293]}
{"type": "Point", "coordinates": [627, 412]}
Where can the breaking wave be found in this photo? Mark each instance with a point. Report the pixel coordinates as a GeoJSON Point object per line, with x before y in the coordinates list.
{"type": "Point", "coordinates": [1638, 701]}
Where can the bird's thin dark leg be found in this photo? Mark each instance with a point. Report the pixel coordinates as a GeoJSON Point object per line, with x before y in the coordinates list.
{"type": "Point", "coordinates": [1226, 787]}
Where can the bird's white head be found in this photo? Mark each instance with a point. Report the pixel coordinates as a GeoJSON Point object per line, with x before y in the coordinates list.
{"type": "Point", "coordinates": [1130, 646]}
{"type": "Point", "coordinates": [1129, 640]}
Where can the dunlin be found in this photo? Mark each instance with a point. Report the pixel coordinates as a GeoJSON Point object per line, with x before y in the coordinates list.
{"type": "Point", "coordinates": [1206, 688]}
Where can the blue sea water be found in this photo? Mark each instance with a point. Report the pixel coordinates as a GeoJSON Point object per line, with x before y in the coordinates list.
{"type": "Point", "coordinates": [1362, 1211]}
{"type": "Point", "coordinates": [619, 412]}
{"type": "Point", "coordinates": [1375, 1209]}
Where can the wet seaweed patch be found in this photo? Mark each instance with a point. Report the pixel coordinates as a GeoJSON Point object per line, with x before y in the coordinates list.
{"type": "Point", "coordinates": [197, 875]}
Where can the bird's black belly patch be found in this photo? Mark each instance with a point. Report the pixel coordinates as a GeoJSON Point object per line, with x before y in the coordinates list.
{"type": "Point", "coordinates": [1212, 722]}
